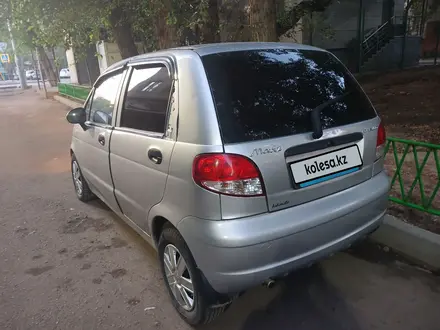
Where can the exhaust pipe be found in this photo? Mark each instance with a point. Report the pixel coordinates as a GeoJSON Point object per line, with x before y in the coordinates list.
{"type": "Point", "coordinates": [270, 283]}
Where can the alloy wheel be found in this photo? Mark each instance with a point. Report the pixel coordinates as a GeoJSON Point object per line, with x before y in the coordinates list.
{"type": "Point", "coordinates": [76, 173]}
{"type": "Point", "coordinates": [178, 277]}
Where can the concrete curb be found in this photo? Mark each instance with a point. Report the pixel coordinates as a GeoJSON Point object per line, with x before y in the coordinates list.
{"type": "Point", "coordinates": [420, 245]}
{"type": "Point", "coordinates": [68, 102]}
{"type": "Point", "coordinates": [8, 87]}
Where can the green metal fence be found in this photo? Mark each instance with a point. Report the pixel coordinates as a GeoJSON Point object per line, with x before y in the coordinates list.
{"type": "Point", "coordinates": [414, 168]}
{"type": "Point", "coordinates": [77, 92]}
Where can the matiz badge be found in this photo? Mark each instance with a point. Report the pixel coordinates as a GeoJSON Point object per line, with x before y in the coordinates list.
{"type": "Point", "coordinates": [370, 129]}
{"type": "Point", "coordinates": [265, 150]}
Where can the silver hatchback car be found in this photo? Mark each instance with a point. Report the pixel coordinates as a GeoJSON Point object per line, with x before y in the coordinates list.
{"type": "Point", "coordinates": [238, 162]}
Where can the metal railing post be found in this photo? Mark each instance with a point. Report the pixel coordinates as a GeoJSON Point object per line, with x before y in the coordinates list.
{"type": "Point", "coordinates": [413, 149]}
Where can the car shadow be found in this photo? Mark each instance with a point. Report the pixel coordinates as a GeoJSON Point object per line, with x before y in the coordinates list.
{"type": "Point", "coordinates": [302, 301]}
{"type": "Point", "coordinates": [99, 204]}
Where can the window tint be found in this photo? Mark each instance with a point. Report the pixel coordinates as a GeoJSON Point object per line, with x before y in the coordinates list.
{"type": "Point", "coordinates": [263, 94]}
{"type": "Point", "coordinates": [146, 100]}
{"type": "Point", "coordinates": [104, 98]}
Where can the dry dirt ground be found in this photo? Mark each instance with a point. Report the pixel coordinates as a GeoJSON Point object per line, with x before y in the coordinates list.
{"type": "Point", "coordinates": [69, 265]}
{"type": "Point", "coordinates": [409, 104]}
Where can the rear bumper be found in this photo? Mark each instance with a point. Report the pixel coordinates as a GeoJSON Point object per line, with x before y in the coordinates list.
{"type": "Point", "coordinates": [237, 254]}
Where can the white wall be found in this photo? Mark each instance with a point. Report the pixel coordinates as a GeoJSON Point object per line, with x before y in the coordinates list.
{"type": "Point", "coordinates": [102, 59]}
{"type": "Point", "coordinates": [109, 54]}
{"type": "Point", "coordinates": [113, 54]}
{"type": "Point", "coordinates": [342, 19]}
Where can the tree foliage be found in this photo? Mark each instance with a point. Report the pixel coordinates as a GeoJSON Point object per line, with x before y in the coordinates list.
{"type": "Point", "coordinates": [152, 24]}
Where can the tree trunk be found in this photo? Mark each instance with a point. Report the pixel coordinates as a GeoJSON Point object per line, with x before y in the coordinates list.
{"type": "Point", "coordinates": [57, 72]}
{"type": "Point", "coordinates": [262, 19]}
{"type": "Point", "coordinates": [210, 29]}
{"type": "Point", "coordinates": [122, 32]}
{"type": "Point", "coordinates": [166, 33]}
{"type": "Point", "coordinates": [47, 67]}
{"type": "Point", "coordinates": [234, 21]}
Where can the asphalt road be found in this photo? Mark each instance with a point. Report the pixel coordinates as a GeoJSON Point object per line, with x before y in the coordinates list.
{"type": "Point", "coordinates": [68, 265]}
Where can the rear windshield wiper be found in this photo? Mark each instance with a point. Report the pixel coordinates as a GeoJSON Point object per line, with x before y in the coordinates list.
{"type": "Point", "coordinates": [316, 114]}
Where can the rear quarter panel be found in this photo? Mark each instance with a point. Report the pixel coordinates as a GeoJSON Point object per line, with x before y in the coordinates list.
{"type": "Point", "coordinates": [183, 197]}
{"type": "Point", "coordinates": [196, 132]}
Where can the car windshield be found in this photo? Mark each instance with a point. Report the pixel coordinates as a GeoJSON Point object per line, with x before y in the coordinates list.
{"type": "Point", "coordinates": [262, 94]}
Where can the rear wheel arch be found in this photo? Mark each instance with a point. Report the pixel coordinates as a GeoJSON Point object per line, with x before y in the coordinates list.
{"type": "Point", "coordinates": [208, 304]}
{"type": "Point", "coordinates": [159, 223]}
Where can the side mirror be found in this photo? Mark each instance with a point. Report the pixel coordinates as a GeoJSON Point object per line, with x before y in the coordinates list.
{"type": "Point", "coordinates": [77, 116]}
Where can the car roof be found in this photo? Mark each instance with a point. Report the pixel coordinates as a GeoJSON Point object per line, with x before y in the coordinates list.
{"type": "Point", "coordinates": [207, 49]}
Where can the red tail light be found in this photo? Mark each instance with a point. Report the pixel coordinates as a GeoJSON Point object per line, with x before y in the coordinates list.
{"type": "Point", "coordinates": [381, 135]}
{"type": "Point", "coordinates": [381, 139]}
{"type": "Point", "coordinates": [228, 174]}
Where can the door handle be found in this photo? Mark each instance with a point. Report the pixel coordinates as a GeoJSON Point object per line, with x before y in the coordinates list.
{"type": "Point", "coordinates": [155, 155]}
{"type": "Point", "coordinates": [101, 139]}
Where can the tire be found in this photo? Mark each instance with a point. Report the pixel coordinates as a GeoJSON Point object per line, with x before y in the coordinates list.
{"type": "Point", "coordinates": [84, 194]}
{"type": "Point", "coordinates": [204, 308]}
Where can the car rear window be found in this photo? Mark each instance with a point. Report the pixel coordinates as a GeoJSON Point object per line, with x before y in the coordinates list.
{"type": "Point", "coordinates": [264, 94]}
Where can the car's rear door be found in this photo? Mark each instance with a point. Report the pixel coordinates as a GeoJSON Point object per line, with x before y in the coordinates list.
{"type": "Point", "coordinates": [264, 99]}
{"type": "Point", "coordinates": [142, 145]}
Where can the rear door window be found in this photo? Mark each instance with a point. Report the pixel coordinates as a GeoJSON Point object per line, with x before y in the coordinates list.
{"type": "Point", "coordinates": [146, 101]}
{"type": "Point", "coordinates": [264, 94]}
